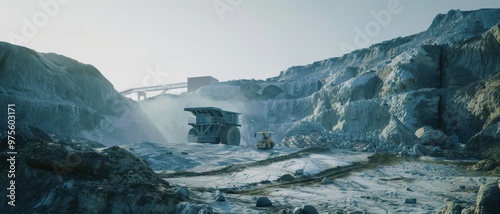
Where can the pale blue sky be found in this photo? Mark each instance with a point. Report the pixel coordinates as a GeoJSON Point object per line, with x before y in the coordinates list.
{"type": "Point", "coordinates": [179, 39]}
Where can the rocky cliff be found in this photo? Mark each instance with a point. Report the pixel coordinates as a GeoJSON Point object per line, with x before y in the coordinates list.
{"type": "Point", "coordinates": [443, 82]}
{"type": "Point", "coordinates": [62, 96]}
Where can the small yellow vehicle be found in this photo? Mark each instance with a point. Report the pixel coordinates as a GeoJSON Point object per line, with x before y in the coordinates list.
{"type": "Point", "coordinates": [265, 142]}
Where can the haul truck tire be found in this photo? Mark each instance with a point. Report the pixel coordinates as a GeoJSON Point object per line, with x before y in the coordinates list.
{"type": "Point", "coordinates": [230, 135]}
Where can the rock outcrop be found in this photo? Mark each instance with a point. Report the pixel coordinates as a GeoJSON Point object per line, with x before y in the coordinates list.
{"type": "Point", "coordinates": [487, 142]}
{"type": "Point", "coordinates": [64, 97]}
{"type": "Point", "coordinates": [263, 202]}
{"type": "Point", "coordinates": [488, 199]}
{"type": "Point", "coordinates": [445, 78]}
{"type": "Point", "coordinates": [70, 176]}
{"type": "Point", "coordinates": [487, 202]}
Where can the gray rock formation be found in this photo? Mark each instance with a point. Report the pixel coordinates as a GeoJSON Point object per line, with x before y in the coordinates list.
{"type": "Point", "coordinates": [429, 136]}
{"type": "Point", "coordinates": [64, 97]}
{"type": "Point", "coordinates": [487, 145]}
{"type": "Point", "coordinates": [487, 142]}
{"type": "Point", "coordinates": [263, 202]}
{"type": "Point", "coordinates": [373, 99]}
{"type": "Point", "coordinates": [396, 133]}
{"type": "Point", "coordinates": [445, 78]}
{"type": "Point", "coordinates": [488, 199]}
{"type": "Point", "coordinates": [69, 176]}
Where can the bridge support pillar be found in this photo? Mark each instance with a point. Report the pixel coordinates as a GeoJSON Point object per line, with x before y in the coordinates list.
{"type": "Point", "coordinates": [141, 94]}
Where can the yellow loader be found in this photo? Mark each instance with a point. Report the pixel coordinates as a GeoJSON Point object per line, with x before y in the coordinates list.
{"type": "Point", "coordinates": [265, 141]}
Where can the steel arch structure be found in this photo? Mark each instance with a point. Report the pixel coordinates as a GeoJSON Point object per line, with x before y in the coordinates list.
{"type": "Point", "coordinates": [165, 87]}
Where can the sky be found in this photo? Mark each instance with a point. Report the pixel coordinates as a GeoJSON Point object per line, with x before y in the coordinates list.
{"type": "Point", "coordinates": [150, 42]}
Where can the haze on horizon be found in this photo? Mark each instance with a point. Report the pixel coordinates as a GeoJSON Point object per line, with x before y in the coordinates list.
{"type": "Point", "coordinates": [141, 43]}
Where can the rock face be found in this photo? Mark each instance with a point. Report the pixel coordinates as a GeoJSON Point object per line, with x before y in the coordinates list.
{"type": "Point", "coordinates": [69, 176]}
{"type": "Point", "coordinates": [62, 96]}
{"type": "Point", "coordinates": [487, 142]}
{"type": "Point", "coordinates": [446, 78]}
{"type": "Point", "coordinates": [375, 99]}
{"type": "Point", "coordinates": [488, 199]}
{"type": "Point", "coordinates": [476, 115]}
{"type": "Point", "coordinates": [416, 95]}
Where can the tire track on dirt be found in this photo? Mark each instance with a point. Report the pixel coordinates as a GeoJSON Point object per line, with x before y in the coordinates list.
{"type": "Point", "coordinates": [239, 167]}
{"type": "Point", "coordinates": [332, 173]}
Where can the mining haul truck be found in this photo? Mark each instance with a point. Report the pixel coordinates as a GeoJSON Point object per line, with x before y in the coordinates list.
{"type": "Point", "coordinates": [214, 125]}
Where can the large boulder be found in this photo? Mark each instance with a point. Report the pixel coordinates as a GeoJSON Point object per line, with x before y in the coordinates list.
{"type": "Point", "coordinates": [487, 142]}
{"type": "Point", "coordinates": [488, 199]}
{"type": "Point", "coordinates": [396, 133]}
{"type": "Point", "coordinates": [263, 202]}
{"type": "Point", "coordinates": [430, 137]}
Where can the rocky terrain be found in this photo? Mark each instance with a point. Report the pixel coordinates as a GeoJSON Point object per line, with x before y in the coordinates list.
{"type": "Point", "coordinates": [65, 97]}
{"type": "Point", "coordinates": [436, 92]}
{"type": "Point", "coordinates": [69, 176]}
{"type": "Point", "coordinates": [244, 180]}
{"type": "Point", "coordinates": [367, 120]}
